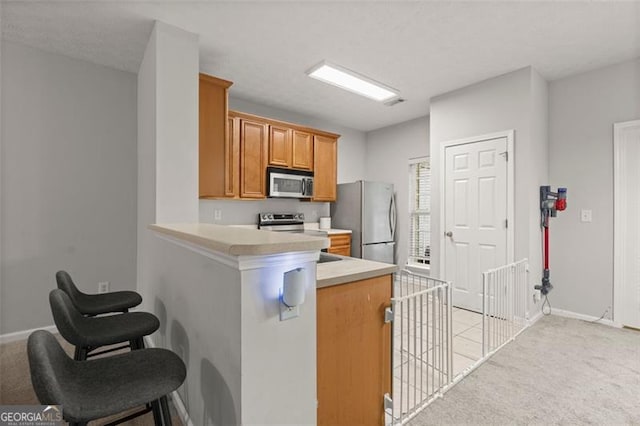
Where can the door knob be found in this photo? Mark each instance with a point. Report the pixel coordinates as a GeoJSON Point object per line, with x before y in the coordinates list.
{"type": "Point", "coordinates": [448, 234]}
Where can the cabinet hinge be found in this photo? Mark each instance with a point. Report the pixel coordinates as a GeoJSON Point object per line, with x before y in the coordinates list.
{"type": "Point", "coordinates": [506, 223]}
{"type": "Point", "coordinates": [388, 315]}
{"type": "Point", "coordinates": [388, 403]}
{"type": "Point", "coordinates": [505, 155]}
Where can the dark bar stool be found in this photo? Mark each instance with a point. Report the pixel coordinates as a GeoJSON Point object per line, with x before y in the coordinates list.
{"type": "Point", "coordinates": [90, 333]}
{"type": "Point", "coordinates": [103, 387]}
{"type": "Point", "coordinates": [96, 304]}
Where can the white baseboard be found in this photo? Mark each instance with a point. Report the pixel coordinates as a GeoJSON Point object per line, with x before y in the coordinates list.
{"type": "Point", "coordinates": [23, 335]}
{"type": "Point", "coordinates": [535, 318]}
{"type": "Point", "coordinates": [178, 403]}
{"type": "Point", "coordinates": [583, 317]}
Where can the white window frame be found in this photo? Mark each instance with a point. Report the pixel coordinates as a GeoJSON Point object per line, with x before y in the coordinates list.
{"type": "Point", "coordinates": [412, 262]}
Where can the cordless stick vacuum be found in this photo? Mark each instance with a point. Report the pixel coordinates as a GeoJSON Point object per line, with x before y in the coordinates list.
{"type": "Point", "coordinates": [550, 204]}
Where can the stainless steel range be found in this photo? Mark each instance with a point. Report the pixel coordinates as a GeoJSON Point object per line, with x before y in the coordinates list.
{"type": "Point", "coordinates": [281, 222]}
{"type": "Point", "coordinates": [292, 222]}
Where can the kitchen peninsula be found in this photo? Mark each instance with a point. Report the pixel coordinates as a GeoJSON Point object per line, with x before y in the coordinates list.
{"type": "Point", "coordinates": [243, 361]}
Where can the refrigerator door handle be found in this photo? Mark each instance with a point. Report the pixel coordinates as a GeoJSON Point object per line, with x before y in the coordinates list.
{"type": "Point", "coordinates": [392, 217]}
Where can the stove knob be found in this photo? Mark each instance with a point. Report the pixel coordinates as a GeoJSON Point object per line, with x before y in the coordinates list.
{"type": "Point", "coordinates": [270, 217]}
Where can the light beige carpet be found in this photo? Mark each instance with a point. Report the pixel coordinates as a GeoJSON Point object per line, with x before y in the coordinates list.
{"type": "Point", "coordinates": [16, 389]}
{"type": "Point", "coordinates": [559, 371]}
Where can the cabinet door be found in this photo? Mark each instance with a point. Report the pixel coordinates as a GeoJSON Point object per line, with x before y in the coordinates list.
{"type": "Point", "coordinates": [302, 150]}
{"type": "Point", "coordinates": [340, 244]}
{"type": "Point", "coordinates": [253, 159]}
{"type": "Point", "coordinates": [279, 146]}
{"type": "Point", "coordinates": [354, 352]}
{"type": "Point", "coordinates": [232, 158]}
{"type": "Point", "coordinates": [325, 168]}
{"type": "Point", "coordinates": [212, 156]}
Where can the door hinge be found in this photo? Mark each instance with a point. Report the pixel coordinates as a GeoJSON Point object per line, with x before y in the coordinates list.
{"type": "Point", "coordinates": [506, 223]}
{"type": "Point", "coordinates": [505, 155]}
{"type": "Point", "coordinates": [388, 315]}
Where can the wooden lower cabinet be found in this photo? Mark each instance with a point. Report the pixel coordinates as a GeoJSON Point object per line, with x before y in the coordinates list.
{"type": "Point", "coordinates": [354, 352]}
{"type": "Point", "coordinates": [340, 244]}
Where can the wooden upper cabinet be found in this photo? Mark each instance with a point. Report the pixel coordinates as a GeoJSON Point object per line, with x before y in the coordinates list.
{"type": "Point", "coordinates": [215, 153]}
{"type": "Point", "coordinates": [302, 147]}
{"type": "Point", "coordinates": [232, 158]}
{"type": "Point", "coordinates": [324, 168]}
{"type": "Point", "coordinates": [253, 158]}
{"type": "Point", "coordinates": [279, 146]}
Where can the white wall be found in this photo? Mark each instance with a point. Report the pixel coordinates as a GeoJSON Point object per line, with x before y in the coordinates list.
{"type": "Point", "coordinates": [388, 152]}
{"type": "Point", "coordinates": [511, 101]}
{"type": "Point", "coordinates": [538, 161]}
{"type": "Point", "coordinates": [68, 180]}
{"type": "Point", "coordinates": [583, 109]}
{"type": "Point", "coordinates": [167, 137]}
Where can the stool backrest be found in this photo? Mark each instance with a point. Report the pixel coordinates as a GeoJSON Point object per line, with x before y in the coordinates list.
{"type": "Point", "coordinates": [68, 319]}
{"type": "Point", "coordinates": [49, 365]}
{"type": "Point", "coordinates": [66, 284]}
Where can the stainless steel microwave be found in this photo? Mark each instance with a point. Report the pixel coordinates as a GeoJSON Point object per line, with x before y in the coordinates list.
{"type": "Point", "coordinates": [287, 183]}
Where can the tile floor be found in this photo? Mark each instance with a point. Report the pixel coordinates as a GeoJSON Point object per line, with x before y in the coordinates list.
{"type": "Point", "coordinates": [416, 357]}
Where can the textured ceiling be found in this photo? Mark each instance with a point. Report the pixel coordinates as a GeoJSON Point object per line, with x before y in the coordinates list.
{"type": "Point", "coordinates": [421, 48]}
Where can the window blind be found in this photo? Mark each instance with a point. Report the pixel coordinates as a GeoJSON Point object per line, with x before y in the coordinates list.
{"type": "Point", "coordinates": [420, 211]}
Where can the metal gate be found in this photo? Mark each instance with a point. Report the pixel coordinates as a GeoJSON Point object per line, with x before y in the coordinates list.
{"type": "Point", "coordinates": [421, 313]}
{"type": "Point", "coordinates": [504, 305]}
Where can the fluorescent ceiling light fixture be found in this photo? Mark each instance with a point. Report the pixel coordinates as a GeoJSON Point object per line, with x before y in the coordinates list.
{"type": "Point", "coordinates": [352, 81]}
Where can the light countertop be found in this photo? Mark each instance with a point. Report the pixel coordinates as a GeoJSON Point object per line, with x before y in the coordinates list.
{"type": "Point", "coordinates": [350, 269]}
{"type": "Point", "coordinates": [308, 226]}
{"type": "Point", "coordinates": [314, 226]}
{"type": "Point", "coordinates": [237, 241]}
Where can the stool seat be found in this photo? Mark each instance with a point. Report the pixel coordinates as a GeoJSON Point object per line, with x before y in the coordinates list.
{"type": "Point", "coordinates": [108, 330]}
{"type": "Point", "coordinates": [92, 332]}
{"type": "Point", "coordinates": [96, 304]}
{"type": "Point", "coordinates": [97, 388]}
{"type": "Point", "coordinates": [116, 301]}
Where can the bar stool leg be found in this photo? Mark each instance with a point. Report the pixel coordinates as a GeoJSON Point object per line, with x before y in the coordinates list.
{"type": "Point", "coordinates": [157, 412]}
{"type": "Point", "coordinates": [166, 414]}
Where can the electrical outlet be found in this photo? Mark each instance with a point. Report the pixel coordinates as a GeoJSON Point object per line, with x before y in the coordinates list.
{"type": "Point", "coordinates": [585, 215]}
{"type": "Point", "coordinates": [103, 287]}
{"type": "Point", "coordinates": [217, 214]}
{"type": "Point", "coordinates": [536, 296]}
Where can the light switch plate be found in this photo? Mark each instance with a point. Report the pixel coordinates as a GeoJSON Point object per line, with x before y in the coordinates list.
{"type": "Point", "coordinates": [585, 215]}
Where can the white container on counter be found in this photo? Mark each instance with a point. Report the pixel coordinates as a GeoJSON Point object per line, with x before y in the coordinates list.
{"type": "Point", "coordinates": [325, 222]}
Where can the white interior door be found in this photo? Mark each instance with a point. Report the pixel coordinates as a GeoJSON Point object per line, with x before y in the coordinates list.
{"type": "Point", "coordinates": [627, 225]}
{"type": "Point", "coordinates": [475, 216]}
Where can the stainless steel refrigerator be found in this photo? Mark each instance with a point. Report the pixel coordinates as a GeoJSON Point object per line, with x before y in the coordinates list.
{"type": "Point", "coordinates": [368, 209]}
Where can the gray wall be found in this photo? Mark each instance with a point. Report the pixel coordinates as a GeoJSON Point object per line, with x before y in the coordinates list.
{"type": "Point", "coordinates": [501, 103]}
{"type": "Point", "coordinates": [517, 101]}
{"type": "Point", "coordinates": [387, 160]}
{"type": "Point", "coordinates": [68, 191]}
{"type": "Point", "coordinates": [583, 109]}
{"type": "Point", "coordinates": [351, 167]}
